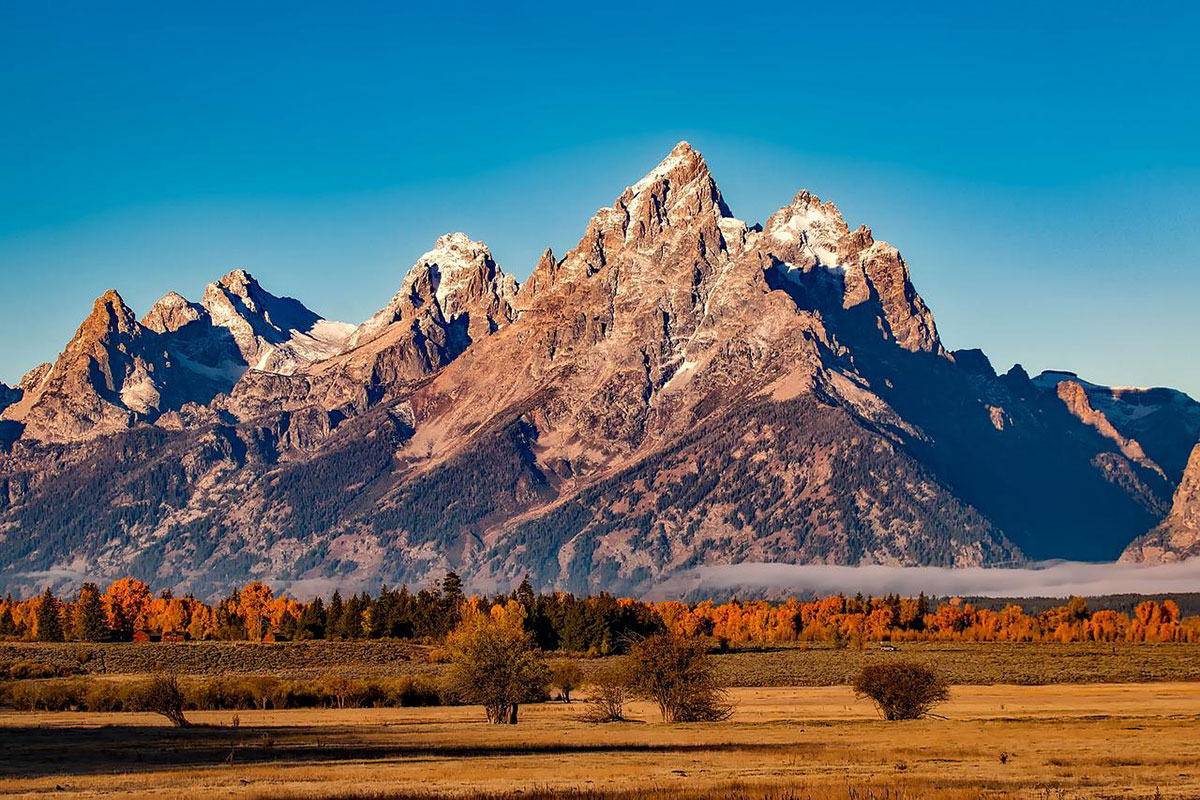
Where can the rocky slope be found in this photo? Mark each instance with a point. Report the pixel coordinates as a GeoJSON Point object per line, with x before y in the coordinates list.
{"type": "Point", "coordinates": [1178, 536]}
{"type": "Point", "coordinates": [679, 388]}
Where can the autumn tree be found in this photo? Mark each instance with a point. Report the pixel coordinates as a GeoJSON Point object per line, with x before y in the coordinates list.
{"type": "Point", "coordinates": [254, 607]}
{"type": "Point", "coordinates": [566, 677]}
{"type": "Point", "coordinates": [493, 663]}
{"type": "Point", "coordinates": [125, 603]}
{"type": "Point", "coordinates": [902, 689]}
{"type": "Point", "coordinates": [608, 693]}
{"type": "Point", "coordinates": [88, 621]}
{"type": "Point", "coordinates": [680, 677]}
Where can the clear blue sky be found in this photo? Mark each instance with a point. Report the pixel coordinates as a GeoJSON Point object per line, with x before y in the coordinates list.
{"type": "Point", "coordinates": [1039, 168]}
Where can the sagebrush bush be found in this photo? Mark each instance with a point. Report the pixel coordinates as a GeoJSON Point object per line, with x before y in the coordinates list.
{"type": "Point", "coordinates": [25, 669]}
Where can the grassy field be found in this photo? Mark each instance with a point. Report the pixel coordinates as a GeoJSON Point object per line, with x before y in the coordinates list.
{"type": "Point", "coordinates": [1066, 741]}
{"type": "Point", "coordinates": [793, 666]}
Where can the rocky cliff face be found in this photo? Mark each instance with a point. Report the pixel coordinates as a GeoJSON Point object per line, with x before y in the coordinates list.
{"type": "Point", "coordinates": [679, 388]}
{"type": "Point", "coordinates": [1178, 536]}
{"type": "Point", "coordinates": [1161, 423]}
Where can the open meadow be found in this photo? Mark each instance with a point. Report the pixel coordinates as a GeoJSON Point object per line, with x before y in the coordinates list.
{"type": "Point", "coordinates": [1023, 720]}
{"type": "Point", "coordinates": [1059, 741]}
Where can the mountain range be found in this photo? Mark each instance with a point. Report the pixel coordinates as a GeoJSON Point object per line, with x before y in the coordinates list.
{"type": "Point", "coordinates": [679, 389]}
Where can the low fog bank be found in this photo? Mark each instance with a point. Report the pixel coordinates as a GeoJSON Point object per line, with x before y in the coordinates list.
{"type": "Point", "coordinates": [1048, 579]}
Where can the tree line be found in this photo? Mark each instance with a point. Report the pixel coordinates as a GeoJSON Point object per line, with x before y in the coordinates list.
{"type": "Point", "coordinates": [560, 621]}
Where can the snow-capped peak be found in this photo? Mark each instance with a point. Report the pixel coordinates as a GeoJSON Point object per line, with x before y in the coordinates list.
{"type": "Point", "coordinates": [815, 227]}
{"type": "Point", "coordinates": [452, 263]}
{"type": "Point", "coordinates": [458, 276]}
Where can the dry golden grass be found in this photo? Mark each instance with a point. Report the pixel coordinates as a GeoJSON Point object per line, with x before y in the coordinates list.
{"type": "Point", "coordinates": [1076, 742]}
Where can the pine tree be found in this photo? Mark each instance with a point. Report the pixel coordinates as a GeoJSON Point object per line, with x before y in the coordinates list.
{"type": "Point", "coordinates": [312, 621]}
{"type": "Point", "coordinates": [333, 617]}
{"type": "Point", "coordinates": [8, 626]}
{"type": "Point", "coordinates": [88, 622]}
{"type": "Point", "coordinates": [350, 622]}
{"type": "Point", "coordinates": [452, 588]}
{"type": "Point", "coordinates": [49, 623]}
{"type": "Point", "coordinates": [525, 593]}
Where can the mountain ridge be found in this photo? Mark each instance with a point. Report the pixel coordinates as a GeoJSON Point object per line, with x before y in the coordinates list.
{"type": "Point", "coordinates": [679, 388]}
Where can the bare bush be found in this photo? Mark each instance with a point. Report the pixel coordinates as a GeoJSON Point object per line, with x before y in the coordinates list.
{"type": "Point", "coordinates": [608, 694]}
{"type": "Point", "coordinates": [902, 689]}
{"type": "Point", "coordinates": [677, 674]}
{"type": "Point", "coordinates": [164, 695]}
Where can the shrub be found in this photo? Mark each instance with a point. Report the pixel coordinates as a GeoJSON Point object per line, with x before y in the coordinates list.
{"type": "Point", "coordinates": [45, 695]}
{"type": "Point", "coordinates": [216, 694]}
{"type": "Point", "coordinates": [163, 695]}
{"type": "Point", "coordinates": [677, 674]}
{"type": "Point", "coordinates": [20, 670]}
{"type": "Point", "coordinates": [902, 689]}
{"type": "Point", "coordinates": [409, 692]}
{"type": "Point", "coordinates": [219, 694]}
{"type": "Point", "coordinates": [104, 696]}
{"type": "Point", "coordinates": [608, 695]}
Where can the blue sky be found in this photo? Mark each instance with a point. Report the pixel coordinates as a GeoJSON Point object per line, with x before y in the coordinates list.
{"type": "Point", "coordinates": [1037, 167]}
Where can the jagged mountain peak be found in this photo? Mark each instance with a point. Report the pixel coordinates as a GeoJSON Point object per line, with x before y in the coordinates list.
{"type": "Point", "coordinates": [271, 334]}
{"type": "Point", "coordinates": [460, 271]}
{"type": "Point", "coordinates": [811, 233]}
{"type": "Point", "coordinates": [110, 315]}
{"type": "Point", "coordinates": [678, 189]}
{"type": "Point", "coordinates": [683, 164]}
{"type": "Point", "coordinates": [236, 287]}
{"type": "Point", "coordinates": [239, 281]}
{"type": "Point", "coordinates": [458, 278]}
{"type": "Point", "coordinates": [171, 312]}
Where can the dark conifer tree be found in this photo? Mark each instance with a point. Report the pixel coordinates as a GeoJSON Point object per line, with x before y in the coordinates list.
{"type": "Point", "coordinates": [88, 621]}
{"type": "Point", "coordinates": [333, 617]}
{"type": "Point", "coordinates": [525, 593]}
{"type": "Point", "coordinates": [49, 622]}
{"type": "Point", "coordinates": [311, 624]}
{"type": "Point", "coordinates": [452, 588]}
